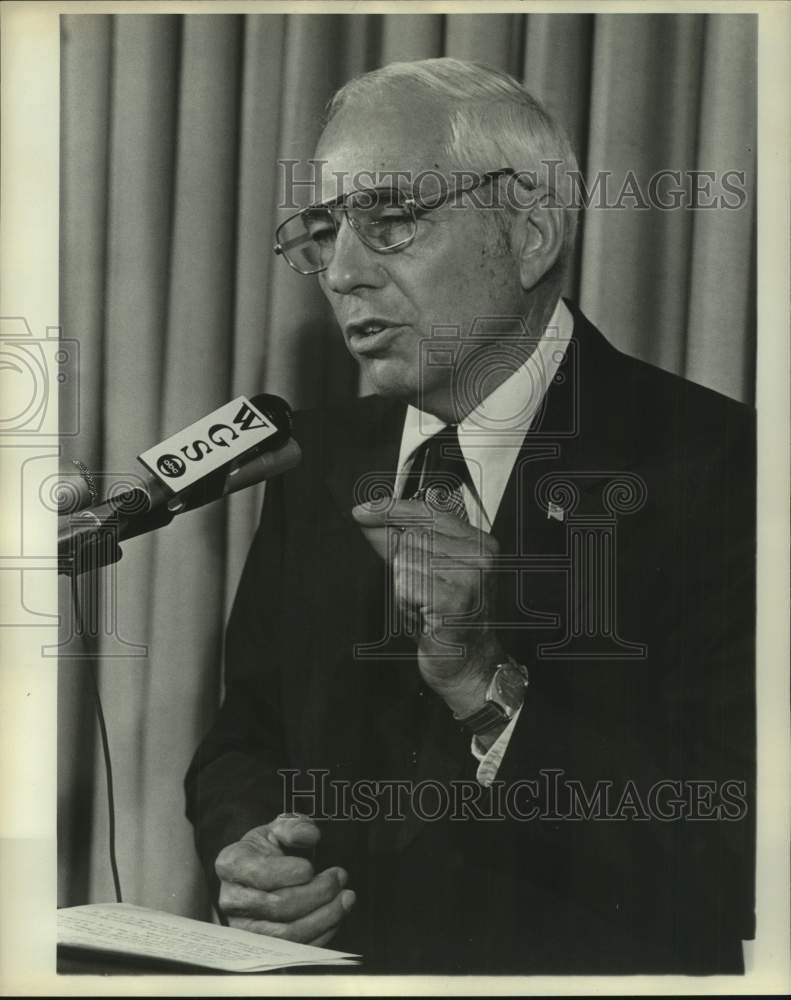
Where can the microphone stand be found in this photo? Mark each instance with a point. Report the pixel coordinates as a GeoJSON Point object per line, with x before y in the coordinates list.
{"type": "Point", "coordinates": [89, 551]}
{"type": "Point", "coordinates": [80, 558]}
{"type": "Point", "coordinates": [87, 542]}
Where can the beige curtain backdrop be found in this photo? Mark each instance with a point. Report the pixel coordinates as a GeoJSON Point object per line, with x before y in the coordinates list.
{"type": "Point", "coordinates": [171, 131]}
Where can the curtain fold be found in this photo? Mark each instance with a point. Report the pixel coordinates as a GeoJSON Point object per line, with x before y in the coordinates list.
{"type": "Point", "coordinates": [723, 241]}
{"type": "Point", "coordinates": [172, 128]}
{"type": "Point", "coordinates": [85, 105]}
{"type": "Point", "coordinates": [493, 39]}
{"type": "Point", "coordinates": [262, 83]}
{"type": "Point", "coordinates": [556, 66]}
{"type": "Point", "coordinates": [643, 75]}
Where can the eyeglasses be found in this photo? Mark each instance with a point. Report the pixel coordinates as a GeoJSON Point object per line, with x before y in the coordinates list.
{"type": "Point", "coordinates": [384, 219]}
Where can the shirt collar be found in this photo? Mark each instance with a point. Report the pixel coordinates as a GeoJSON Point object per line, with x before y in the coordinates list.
{"type": "Point", "coordinates": [491, 435]}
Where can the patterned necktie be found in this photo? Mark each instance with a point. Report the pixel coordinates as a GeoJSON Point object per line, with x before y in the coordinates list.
{"type": "Point", "coordinates": [439, 473]}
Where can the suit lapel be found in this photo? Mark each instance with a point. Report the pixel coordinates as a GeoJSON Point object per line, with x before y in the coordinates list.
{"type": "Point", "coordinates": [361, 448]}
{"type": "Point", "coordinates": [367, 685]}
{"type": "Point", "coordinates": [362, 453]}
{"type": "Point", "coordinates": [520, 526]}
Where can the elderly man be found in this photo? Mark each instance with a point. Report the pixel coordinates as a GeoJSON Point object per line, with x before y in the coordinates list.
{"type": "Point", "coordinates": [489, 693]}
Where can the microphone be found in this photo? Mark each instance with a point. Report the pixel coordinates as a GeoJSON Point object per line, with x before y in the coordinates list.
{"type": "Point", "coordinates": [121, 515]}
{"type": "Point", "coordinates": [243, 443]}
{"type": "Point", "coordinates": [76, 487]}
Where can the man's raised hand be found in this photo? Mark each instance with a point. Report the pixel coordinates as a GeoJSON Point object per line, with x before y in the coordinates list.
{"type": "Point", "coordinates": [442, 569]}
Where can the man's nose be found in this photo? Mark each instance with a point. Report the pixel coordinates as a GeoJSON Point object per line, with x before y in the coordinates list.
{"type": "Point", "coordinates": [353, 264]}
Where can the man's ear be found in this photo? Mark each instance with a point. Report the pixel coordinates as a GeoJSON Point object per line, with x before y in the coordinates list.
{"type": "Point", "coordinates": [537, 238]}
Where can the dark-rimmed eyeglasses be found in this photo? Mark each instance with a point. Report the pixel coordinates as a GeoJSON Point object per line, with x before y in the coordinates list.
{"type": "Point", "coordinates": [384, 219]}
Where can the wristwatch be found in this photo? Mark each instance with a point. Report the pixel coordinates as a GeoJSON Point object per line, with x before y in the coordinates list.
{"type": "Point", "coordinates": [504, 697]}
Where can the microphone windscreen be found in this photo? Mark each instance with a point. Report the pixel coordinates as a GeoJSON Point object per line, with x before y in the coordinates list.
{"type": "Point", "coordinates": [263, 466]}
{"type": "Point", "coordinates": [276, 409]}
{"type": "Point", "coordinates": [245, 472]}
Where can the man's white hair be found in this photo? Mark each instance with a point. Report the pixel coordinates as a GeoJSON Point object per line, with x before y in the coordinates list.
{"type": "Point", "coordinates": [494, 122]}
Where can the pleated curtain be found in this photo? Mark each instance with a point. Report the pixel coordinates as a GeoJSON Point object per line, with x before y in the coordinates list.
{"type": "Point", "coordinates": [171, 131]}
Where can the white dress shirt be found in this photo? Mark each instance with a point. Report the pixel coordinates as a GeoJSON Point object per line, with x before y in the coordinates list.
{"type": "Point", "coordinates": [490, 438]}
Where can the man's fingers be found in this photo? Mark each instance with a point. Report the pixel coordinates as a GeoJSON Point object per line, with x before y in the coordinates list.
{"type": "Point", "coordinates": [379, 540]}
{"type": "Point", "coordinates": [444, 534]}
{"type": "Point", "coordinates": [246, 864]}
{"type": "Point", "coordinates": [283, 905]}
{"type": "Point", "coordinates": [412, 582]}
{"type": "Point", "coordinates": [324, 939]}
{"type": "Point", "coordinates": [309, 928]}
{"type": "Point", "coordinates": [420, 571]}
{"type": "Point", "coordinates": [294, 831]}
{"type": "Point", "coordinates": [261, 838]}
{"type": "Point", "coordinates": [410, 513]}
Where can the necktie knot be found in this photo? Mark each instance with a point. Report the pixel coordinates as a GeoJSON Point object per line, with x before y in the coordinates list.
{"type": "Point", "coordinates": [439, 473]}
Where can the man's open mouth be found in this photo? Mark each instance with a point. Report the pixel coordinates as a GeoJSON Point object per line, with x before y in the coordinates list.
{"type": "Point", "coordinates": [368, 335]}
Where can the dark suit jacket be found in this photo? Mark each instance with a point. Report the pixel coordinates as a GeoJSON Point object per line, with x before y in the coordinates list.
{"type": "Point", "coordinates": [634, 614]}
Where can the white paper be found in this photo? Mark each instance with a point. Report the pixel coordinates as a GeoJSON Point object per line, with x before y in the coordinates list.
{"type": "Point", "coordinates": [137, 931]}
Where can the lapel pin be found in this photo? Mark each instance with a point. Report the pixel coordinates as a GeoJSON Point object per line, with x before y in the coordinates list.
{"type": "Point", "coordinates": [554, 510]}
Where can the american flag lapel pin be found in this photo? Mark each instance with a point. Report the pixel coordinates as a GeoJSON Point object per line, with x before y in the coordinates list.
{"type": "Point", "coordinates": [556, 511]}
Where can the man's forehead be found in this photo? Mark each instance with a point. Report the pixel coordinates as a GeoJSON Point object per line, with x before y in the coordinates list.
{"type": "Point", "coordinates": [379, 145]}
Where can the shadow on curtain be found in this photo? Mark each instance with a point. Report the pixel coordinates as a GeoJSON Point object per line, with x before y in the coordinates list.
{"type": "Point", "coordinates": [171, 130]}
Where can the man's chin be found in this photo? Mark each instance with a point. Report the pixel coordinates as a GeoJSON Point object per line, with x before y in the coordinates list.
{"type": "Point", "coordinates": [393, 379]}
{"type": "Point", "coordinates": [386, 378]}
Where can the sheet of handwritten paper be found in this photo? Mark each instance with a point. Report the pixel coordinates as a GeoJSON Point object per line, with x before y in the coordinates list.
{"type": "Point", "coordinates": [136, 931]}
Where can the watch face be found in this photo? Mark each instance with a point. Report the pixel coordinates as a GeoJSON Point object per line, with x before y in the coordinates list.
{"type": "Point", "coordinates": [509, 685]}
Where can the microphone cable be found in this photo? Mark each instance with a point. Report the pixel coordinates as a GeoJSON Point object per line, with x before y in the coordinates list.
{"type": "Point", "coordinates": [108, 766]}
